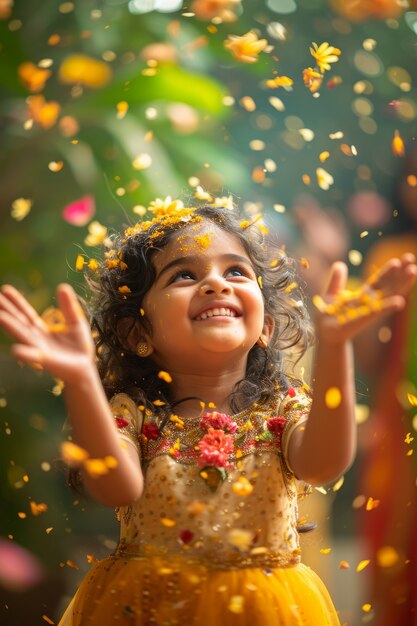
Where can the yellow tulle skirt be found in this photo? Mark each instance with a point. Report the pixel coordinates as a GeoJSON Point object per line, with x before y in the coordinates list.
{"type": "Point", "coordinates": [122, 591]}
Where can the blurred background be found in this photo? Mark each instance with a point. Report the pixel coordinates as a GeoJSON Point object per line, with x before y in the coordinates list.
{"type": "Point", "coordinates": [106, 105]}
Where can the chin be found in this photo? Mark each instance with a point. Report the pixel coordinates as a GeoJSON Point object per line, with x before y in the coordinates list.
{"type": "Point", "coordinates": [224, 345]}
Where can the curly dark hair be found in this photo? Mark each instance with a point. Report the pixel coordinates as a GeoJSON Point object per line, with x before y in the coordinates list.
{"type": "Point", "coordinates": [127, 273]}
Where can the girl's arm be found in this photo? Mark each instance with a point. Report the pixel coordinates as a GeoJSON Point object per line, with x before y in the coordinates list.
{"type": "Point", "coordinates": [66, 350]}
{"type": "Point", "coordinates": [324, 447]}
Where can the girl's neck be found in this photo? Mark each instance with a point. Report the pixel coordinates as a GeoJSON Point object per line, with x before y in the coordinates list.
{"type": "Point", "coordinates": [214, 389]}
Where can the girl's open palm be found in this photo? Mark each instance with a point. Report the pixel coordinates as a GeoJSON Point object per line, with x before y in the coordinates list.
{"type": "Point", "coordinates": [345, 314]}
{"type": "Point", "coordinates": [63, 349]}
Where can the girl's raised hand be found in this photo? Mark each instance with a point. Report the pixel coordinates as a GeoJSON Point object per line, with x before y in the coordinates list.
{"type": "Point", "coordinates": [64, 349]}
{"type": "Point", "coordinates": [343, 314]}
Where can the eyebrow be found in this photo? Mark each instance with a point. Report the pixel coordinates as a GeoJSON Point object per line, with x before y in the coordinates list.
{"type": "Point", "coordinates": [183, 260]}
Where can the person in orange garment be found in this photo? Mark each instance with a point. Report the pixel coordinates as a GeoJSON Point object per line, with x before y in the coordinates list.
{"type": "Point", "coordinates": [186, 419]}
{"type": "Point", "coordinates": [388, 352]}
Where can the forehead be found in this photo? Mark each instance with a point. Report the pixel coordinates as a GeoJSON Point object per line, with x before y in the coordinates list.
{"type": "Point", "coordinates": [204, 239]}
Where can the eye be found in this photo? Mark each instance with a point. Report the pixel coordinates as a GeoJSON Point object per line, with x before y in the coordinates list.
{"type": "Point", "coordinates": [236, 272]}
{"type": "Point", "coordinates": [182, 275]}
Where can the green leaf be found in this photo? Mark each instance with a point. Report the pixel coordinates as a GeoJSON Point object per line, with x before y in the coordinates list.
{"type": "Point", "coordinates": [170, 84]}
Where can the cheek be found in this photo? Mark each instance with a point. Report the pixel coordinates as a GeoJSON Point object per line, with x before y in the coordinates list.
{"type": "Point", "coordinates": [256, 307]}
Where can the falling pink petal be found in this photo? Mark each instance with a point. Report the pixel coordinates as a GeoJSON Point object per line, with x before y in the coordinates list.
{"type": "Point", "coordinates": [80, 212]}
{"type": "Point", "coordinates": [19, 569]}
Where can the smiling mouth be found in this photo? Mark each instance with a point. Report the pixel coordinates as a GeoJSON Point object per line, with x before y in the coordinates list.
{"type": "Point", "coordinates": [216, 312]}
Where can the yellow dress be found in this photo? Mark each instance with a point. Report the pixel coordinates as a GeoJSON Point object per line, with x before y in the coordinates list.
{"type": "Point", "coordinates": [213, 540]}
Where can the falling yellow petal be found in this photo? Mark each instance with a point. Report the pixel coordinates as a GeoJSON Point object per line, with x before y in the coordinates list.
{"type": "Point", "coordinates": [110, 461]}
{"type": "Point", "coordinates": [371, 504]}
{"type": "Point", "coordinates": [55, 166]}
{"type": "Point", "coordinates": [21, 208]}
{"type": "Point", "coordinates": [242, 487]}
{"type": "Point", "coordinates": [165, 376]}
{"type": "Point", "coordinates": [387, 556]}
{"type": "Point", "coordinates": [37, 509]}
{"type": "Point", "coordinates": [412, 399]}
{"type": "Point", "coordinates": [324, 179]}
{"type": "Point", "coordinates": [96, 234]}
{"type": "Point", "coordinates": [333, 397]}
{"type": "Point", "coordinates": [122, 108]}
{"type": "Point", "coordinates": [245, 48]}
{"type": "Point", "coordinates": [397, 145]}
{"type": "Point", "coordinates": [362, 564]}
{"type": "Point", "coordinates": [237, 604]}
{"type": "Point", "coordinates": [166, 521]}
{"type": "Point", "coordinates": [73, 454]}
{"type": "Point", "coordinates": [95, 467]}
{"type": "Point", "coordinates": [239, 538]}
{"type": "Point", "coordinates": [338, 484]}
{"type": "Point", "coordinates": [279, 81]}
{"type": "Point", "coordinates": [84, 70]}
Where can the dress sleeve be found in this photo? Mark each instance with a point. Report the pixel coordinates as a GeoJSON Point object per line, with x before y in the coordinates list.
{"type": "Point", "coordinates": [128, 418]}
{"type": "Point", "coordinates": [295, 407]}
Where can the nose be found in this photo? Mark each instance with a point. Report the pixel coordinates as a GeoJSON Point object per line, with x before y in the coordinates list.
{"type": "Point", "coordinates": [214, 284]}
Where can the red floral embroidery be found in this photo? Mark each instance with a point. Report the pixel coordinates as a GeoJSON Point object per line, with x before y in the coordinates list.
{"type": "Point", "coordinates": [276, 424]}
{"type": "Point", "coordinates": [151, 431]}
{"type": "Point", "coordinates": [121, 422]}
{"type": "Point", "coordinates": [215, 449]}
{"type": "Point", "coordinates": [219, 421]}
{"type": "Point", "coordinates": [186, 536]}
{"type": "Point", "coordinates": [291, 392]}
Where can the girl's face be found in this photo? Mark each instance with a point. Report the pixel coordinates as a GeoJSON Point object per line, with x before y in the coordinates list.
{"type": "Point", "coordinates": [206, 301]}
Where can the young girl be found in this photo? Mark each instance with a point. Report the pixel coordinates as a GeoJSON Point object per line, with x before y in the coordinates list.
{"type": "Point", "coordinates": [205, 434]}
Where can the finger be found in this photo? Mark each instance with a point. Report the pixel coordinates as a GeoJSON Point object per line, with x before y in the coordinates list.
{"type": "Point", "coordinates": [14, 327]}
{"type": "Point", "coordinates": [8, 306]}
{"type": "Point", "coordinates": [27, 354]}
{"type": "Point", "coordinates": [21, 304]}
{"type": "Point", "coordinates": [377, 277]}
{"type": "Point", "coordinates": [409, 280]}
{"type": "Point", "coordinates": [338, 278]}
{"type": "Point", "coordinates": [69, 304]}
{"type": "Point", "coordinates": [408, 258]}
{"type": "Point", "coordinates": [387, 306]}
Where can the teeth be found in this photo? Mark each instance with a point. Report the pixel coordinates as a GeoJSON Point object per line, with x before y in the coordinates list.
{"type": "Point", "coordinates": [215, 312]}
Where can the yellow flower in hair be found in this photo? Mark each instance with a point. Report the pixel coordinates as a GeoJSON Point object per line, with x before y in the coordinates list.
{"type": "Point", "coordinates": [325, 55]}
{"type": "Point", "coordinates": [165, 207]}
{"type": "Point", "coordinates": [226, 202]}
{"type": "Point", "coordinates": [200, 194]}
{"type": "Point", "coordinates": [247, 47]}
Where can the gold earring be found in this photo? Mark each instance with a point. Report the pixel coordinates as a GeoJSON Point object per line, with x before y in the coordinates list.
{"type": "Point", "coordinates": [142, 349]}
{"type": "Point", "coordinates": [262, 342]}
